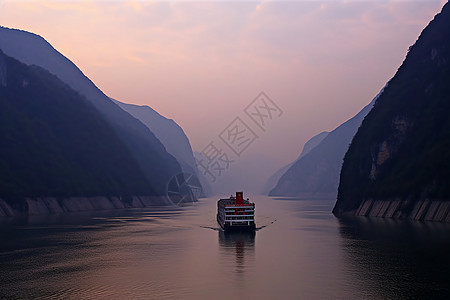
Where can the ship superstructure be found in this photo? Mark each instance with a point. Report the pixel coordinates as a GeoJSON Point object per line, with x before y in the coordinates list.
{"type": "Point", "coordinates": [235, 213]}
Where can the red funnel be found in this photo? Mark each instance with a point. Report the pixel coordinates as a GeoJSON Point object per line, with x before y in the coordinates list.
{"type": "Point", "coordinates": [239, 198]}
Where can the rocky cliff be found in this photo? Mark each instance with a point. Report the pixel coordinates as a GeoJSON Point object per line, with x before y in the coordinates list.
{"type": "Point", "coordinates": [398, 164]}
{"type": "Point", "coordinates": [54, 205]}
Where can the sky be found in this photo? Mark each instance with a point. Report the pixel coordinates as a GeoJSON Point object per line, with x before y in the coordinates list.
{"type": "Point", "coordinates": [203, 63]}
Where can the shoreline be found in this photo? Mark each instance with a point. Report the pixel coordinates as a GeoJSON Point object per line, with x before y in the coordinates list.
{"type": "Point", "coordinates": [52, 205]}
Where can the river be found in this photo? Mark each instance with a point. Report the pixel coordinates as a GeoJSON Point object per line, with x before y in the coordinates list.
{"type": "Point", "coordinates": [300, 251]}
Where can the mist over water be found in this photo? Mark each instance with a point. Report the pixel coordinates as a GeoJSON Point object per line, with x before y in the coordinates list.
{"type": "Point", "coordinates": [300, 251]}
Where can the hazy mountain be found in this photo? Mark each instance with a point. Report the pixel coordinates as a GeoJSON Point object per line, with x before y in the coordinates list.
{"type": "Point", "coordinates": [316, 174]}
{"type": "Point", "coordinates": [398, 164]}
{"type": "Point", "coordinates": [54, 143]}
{"type": "Point", "coordinates": [167, 131]}
{"type": "Point", "coordinates": [309, 145]}
{"type": "Point", "coordinates": [205, 182]}
{"type": "Point", "coordinates": [157, 165]}
{"type": "Point", "coordinates": [313, 143]}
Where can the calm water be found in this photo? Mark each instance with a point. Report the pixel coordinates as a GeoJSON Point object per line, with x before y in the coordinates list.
{"type": "Point", "coordinates": [301, 252]}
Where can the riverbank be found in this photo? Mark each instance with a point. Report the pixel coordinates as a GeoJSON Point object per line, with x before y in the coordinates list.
{"type": "Point", "coordinates": [51, 205]}
{"type": "Point", "coordinates": [425, 210]}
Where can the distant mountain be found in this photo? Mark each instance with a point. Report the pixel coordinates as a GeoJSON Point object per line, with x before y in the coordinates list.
{"type": "Point", "coordinates": [206, 186]}
{"type": "Point", "coordinates": [168, 132]}
{"type": "Point", "coordinates": [313, 143]}
{"type": "Point", "coordinates": [157, 165]}
{"type": "Point", "coordinates": [54, 143]}
{"type": "Point", "coordinates": [309, 145]}
{"type": "Point", "coordinates": [398, 164]}
{"type": "Point", "coordinates": [316, 174]}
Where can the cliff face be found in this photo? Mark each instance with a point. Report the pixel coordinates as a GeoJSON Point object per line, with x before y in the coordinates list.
{"type": "Point", "coordinates": [398, 164]}
{"type": "Point", "coordinates": [316, 174]}
{"type": "Point", "coordinates": [157, 165]}
{"type": "Point", "coordinates": [53, 205]}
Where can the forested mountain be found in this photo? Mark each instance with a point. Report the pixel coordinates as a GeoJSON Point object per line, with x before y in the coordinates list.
{"type": "Point", "coordinates": [398, 164]}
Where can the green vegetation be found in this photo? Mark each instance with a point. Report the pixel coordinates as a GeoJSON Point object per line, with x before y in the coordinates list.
{"type": "Point", "coordinates": [55, 143]}
{"type": "Point", "coordinates": [411, 118]}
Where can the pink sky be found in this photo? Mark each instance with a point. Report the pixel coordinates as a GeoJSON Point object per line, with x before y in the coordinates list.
{"type": "Point", "coordinates": [201, 63]}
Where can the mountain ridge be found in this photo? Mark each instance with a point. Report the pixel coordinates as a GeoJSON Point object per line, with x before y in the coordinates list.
{"type": "Point", "coordinates": [32, 49]}
{"type": "Point", "coordinates": [170, 134]}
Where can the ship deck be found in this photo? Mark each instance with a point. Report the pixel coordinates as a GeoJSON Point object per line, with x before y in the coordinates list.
{"type": "Point", "coordinates": [232, 202]}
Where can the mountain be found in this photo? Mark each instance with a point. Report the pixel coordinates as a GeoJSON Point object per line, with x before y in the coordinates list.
{"type": "Point", "coordinates": [313, 143]}
{"type": "Point", "coordinates": [204, 181]}
{"type": "Point", "coordinates": [398, 164]}
{"type": "Point", "coordinates": [54, 143]}
{"type": "Point", "coordinates": [316, 174]}
{"type": "Point", "coordinates": [157, 165]}
{"type": "Point", "coordinates": [169, 133]}
{"type": "Point", "coordinates": [309, 145]}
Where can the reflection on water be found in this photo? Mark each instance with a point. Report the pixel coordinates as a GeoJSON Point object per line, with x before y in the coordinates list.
{"type": "Point", "coordinates": [404, 258]}
{"type": "Point", "coordinates": [239, 244]}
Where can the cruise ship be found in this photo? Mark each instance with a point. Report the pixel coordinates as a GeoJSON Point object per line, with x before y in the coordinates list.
{"type": "Point", "coordinates": [235, 213]}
